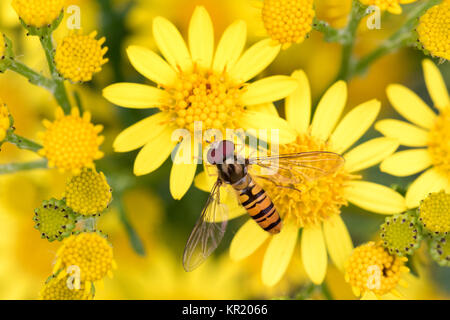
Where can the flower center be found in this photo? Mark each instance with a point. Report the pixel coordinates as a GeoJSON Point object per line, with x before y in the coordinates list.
{"type": "Point", "coordinates": [434, 30]}
{"type": "Point", "coordinates": [205, 96]}
{"type": "Point", "coordinates": [38, 13]}
{"type": "Point", "coordinates": [372, 268]}
{"type": "Point", "coordinates": [439, 142]}
{"type": "Point", "coordinates": [288, 21]}
{"type": "Point", "coordinates": [310, 202]}
{"type": "Point", "coordinates": [400, 235]}
{"type": "Point", "coordinates": [56, 289]}
{"type": "Point", "coordinates": [434, 212]}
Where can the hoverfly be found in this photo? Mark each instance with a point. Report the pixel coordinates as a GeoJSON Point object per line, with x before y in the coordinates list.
{"type": "Point", "coordinates": [283, 170]}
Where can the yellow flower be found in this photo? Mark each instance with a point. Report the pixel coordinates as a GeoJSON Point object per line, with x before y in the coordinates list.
{"type": "Point", "coordinates": [371, 270]}
{"type": "Point", "coordinates": [5, 122]}
{"type": "Point", "coordinates": [392, 6]}
{"type": "Point", "coordinates": [429, 132]}
{"type": "Point", "coordinates": [88, 193]}
{"type": "Point", "coordinates": [56, 288]}
{"type": "Point", "coordinates": [434, 30]}
{"type": "Point", "coordinates": [440, 249]}
{"type": "Point", "coordinates": [71, 142]}
{"type": "Point", "coordinates": [434, 212]}
{"type": "Point", "coordinates": [400, 234]}
{"type": "Point", "coordinates": [196, 84]}
{"type": "Point", "coordinates": [90, 252]}
{"type": "Point", "coordinates": [79, 56]}
{"type": "Point", "coordinates": [317, 208]}
{"type": "Point", "coordinates": [287, 21]}
{"type": "Point", "coordinates": [38, 13]}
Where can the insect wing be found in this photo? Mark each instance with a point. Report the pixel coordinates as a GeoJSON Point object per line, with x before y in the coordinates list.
{"type": "Point", "coordinates": [296, 168]}
{"type": "Point", "coordinates": [207, 234]}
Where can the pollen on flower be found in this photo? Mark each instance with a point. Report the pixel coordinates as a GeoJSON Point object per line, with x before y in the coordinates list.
{"type": "Point", "coordinates": [372, 268]}
{"type": "Point", "coordinates": [57, 288]}
{"type": "Point", "coordinates": [71, 142]}
{"type": "Point", "coordinates": [90, 252]}
{"type": "Point", "coordinates": [203, 95]}
{"type": "Point", "coordinates": [434, 30]}
{"type": "Point", "coordinates": [5, 122]}
{"type": "Point", "coordinates": [438, 142]}
{"type": "Point", "coordinates": [79, 56]}
{"type": "Point", "coordinates": [54, 220]}
{"type": "Point", "coordinates": [38, 13]}
{"type": "Point", "coordinates": [400, 234]}
{"type": "Point", "coordinates": [440, 250]}
{"type": "Point", "coordinates": [310, 202]}
{"type": "Point", "coordinates": [434, 212]}
{"type": "Point", "coordinates": [88, 193]}
{"type": "Point", "coordinates": [288, 21]}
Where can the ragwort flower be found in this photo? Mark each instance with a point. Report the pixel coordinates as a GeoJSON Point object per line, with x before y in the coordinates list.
{"type": "Point", "coordinates": [429, 133]}
{"type": "Point", "coordinates": [196, 84]}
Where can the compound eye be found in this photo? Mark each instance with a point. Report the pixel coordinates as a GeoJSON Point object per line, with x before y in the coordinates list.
{"type": "Point", "coordinates": [227, 148]}
{"type": "Point", "coordinates": [212, 156]}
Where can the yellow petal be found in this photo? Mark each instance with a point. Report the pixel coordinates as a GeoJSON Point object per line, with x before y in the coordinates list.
{"type": "Point", "coordinates": [395, 8]}
{"type": "Point", "coordinates": [254, 60]}
{"type": "Point", "coordinates": [406, 163]}
{"type": "Point", "coordinates": [329, 110]}
{"type": "Point", "coordinates": [171, 44]}
{"type": "Point", "coordinates": [151, 65]}
{"type": "Point", "coordinates": [268, 108]}
{"type": "Point", "coordinates": [267, 123]}
{"type": "Point", "coordinates": [435, 84]}
{"type": "Point", "coordinates": [182, 172]}
{"type": "Point", "coordinates": [154, 153]}
{"type": "Point", "coordinates": [141, 132]}
{"type": "Point", "coordinates": [249, 238]}
{"type": "Point", "coordinates": [337, 238]}
{"type": "Point", "coordinates": [370, 153]}
{"type": "Point", "coordinates": [136, 96]}
{"type": "Point", "coordinates": [268, 90]}
{"type": "Point", "coordinates": [278, 254]}
{"type": "Point", "coordinates": [430, 181]}
{"type": "Point", "coordinates": [407, 134]}
{"type": "Point", "coordinates": [375, 197]}
{"type": "Point", "coordinates": [230, 46]}
{"type": "Point", "coordinates": [201, 37]}
{"type": "Point", "coordinates": [354, 125]}
{"type": "Point", "coordinates": [314, 253]}
{"type": "Point", "coordinates": [298, 104]}
{"type": "Point", "coordinates": [204, 182]}
{"type": "Point", "coordinates": [410, 106]}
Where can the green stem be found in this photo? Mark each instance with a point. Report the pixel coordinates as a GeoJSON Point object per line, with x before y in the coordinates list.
{"type": "Point", "coordinates": [21, 166]}
{"type": "Point", "coordinates": [60, 92]}
{"type": "Point", "coordinates": [135, 241]}
{"type": "Point", "coordinates": [32, 76]}
{"type": "Point", "coordinates": [348, 39]}
{"type": "Point", "coordinates": [397, 40]}
{"type": "Point", "coordinates": [22, 143]}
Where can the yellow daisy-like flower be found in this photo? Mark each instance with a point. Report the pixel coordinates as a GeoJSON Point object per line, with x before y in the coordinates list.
{"type": "Point", "coordinates": [88, 251]}
{"type": "Point", "coordinates": [80, 56]}
{"type": "Point", "coordinates": [88, 193]}
{"type": "Point", "coordinates": [392, 6]}
{"type": "Point", "coordinates": [38, 13]}
{"type": "Point", "coordinates": [56, 288]}
{"type": "Point", "coordinates": [316, 209]}
{"type": "Point", "coordinates": [434, 212]}
{"type": "Point", "coordinates": [196, 84]}
{"type": "Point", "coordinates": [434, 30]}
{"type": "Point", "coordinates": [71, 142]}
{"type": "Point", "coordinates": [5, 122]}
{"type": "Point", "coordinates": [429, 133]}
{"type": "Point", "coordinates": [287, 21]}
{"type": "Point", "coordinates": [371, 269]}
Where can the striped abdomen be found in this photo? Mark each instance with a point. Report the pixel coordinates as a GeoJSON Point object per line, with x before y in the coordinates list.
{"type": "Point", "coordinates": [258, 204]}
